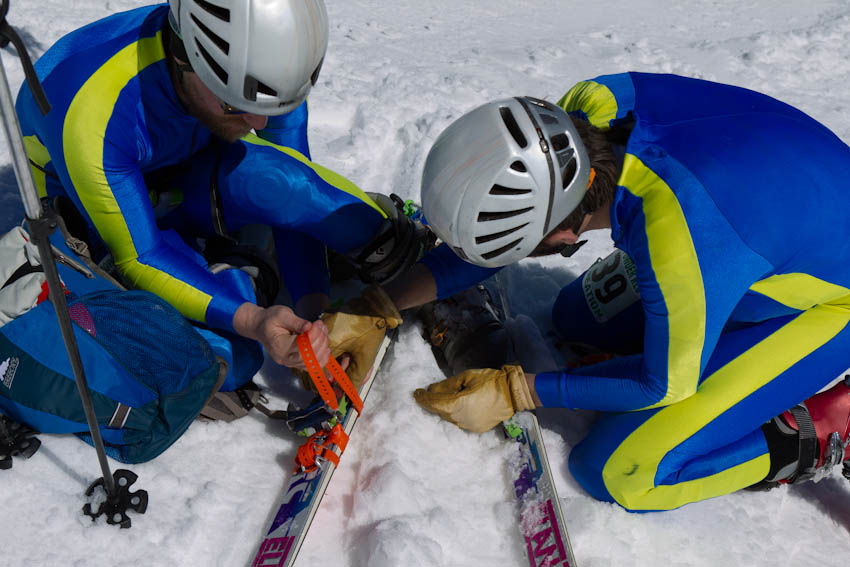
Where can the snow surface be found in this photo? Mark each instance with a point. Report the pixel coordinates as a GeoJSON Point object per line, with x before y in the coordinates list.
{"type": "Point", "coordinates": [413, 490]}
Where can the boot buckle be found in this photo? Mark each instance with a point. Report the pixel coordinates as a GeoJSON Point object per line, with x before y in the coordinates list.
{"type": "Point", "coordinates": [833, 456]}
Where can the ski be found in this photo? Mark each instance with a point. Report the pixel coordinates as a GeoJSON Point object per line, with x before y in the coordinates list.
{"type": "Point", "coordinates": [542, 525]}
{"type": "Point", "coordinates": [303, 494]}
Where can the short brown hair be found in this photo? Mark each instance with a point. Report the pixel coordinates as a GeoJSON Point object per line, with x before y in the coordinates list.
{"type": "Point", "coordinates": [602, 160]}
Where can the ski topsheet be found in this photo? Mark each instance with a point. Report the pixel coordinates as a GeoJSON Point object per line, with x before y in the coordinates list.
{"type": "Point", "coordinates": [301, 498]}
{"type": "Point", "coordinates": [541, 519]}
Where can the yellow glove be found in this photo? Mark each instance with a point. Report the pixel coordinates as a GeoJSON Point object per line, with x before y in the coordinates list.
{"type": "Point", "coordinates": [359, 327]}
{"type": "Point", "coordinates": [480, 399]}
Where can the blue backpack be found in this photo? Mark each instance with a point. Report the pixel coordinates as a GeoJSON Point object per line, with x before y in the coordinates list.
{"type": "Point", "coordinates": [149, 371]}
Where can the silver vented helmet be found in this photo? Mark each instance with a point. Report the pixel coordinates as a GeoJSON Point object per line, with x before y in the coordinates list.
{"type": "Point", "coordinates": [259, 56]}
{"type": "Point", "coordinates": [501, 177]}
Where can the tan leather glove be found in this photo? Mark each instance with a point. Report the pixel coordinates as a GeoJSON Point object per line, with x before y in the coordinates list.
{"type": "Point", "coordinates": [359, 327]}
{"type": "Point", "coordinates": [479, 399]}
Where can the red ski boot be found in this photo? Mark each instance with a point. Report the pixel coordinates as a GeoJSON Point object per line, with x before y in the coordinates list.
{"type": "Point", "coordinates": [823, 426]}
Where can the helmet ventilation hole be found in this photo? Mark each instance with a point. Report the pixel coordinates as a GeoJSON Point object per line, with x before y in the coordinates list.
{"type": "Point", "coordinates": [559, 142]}
{"type": "Point", "coordinates": [500, 251]}
{"type": "Point", "coordinates": [218, 41]}
{"type": "Point", "coordinates": [252, 86]}
{"type": "Point", "coordinates": [513, 127]}
{"type": "Point", "coordinates": [222, 14]}
{"type": "Point", "coordinates": [548, 118]}
{"type": "Point", "coordinates": [485, 217]}
{"type": "Point", "coordinates": [519, 166]}
{"type": "Point", "coordinates": [499, 190]}
{"type": "Point", "coordinates": [568, 172]}
{"type": "Point", "coordinates": [217, 69]}
{"type": "Point", "coordinates": [491, 237]}
{"type": "Point", "coordinates": [263, 88]}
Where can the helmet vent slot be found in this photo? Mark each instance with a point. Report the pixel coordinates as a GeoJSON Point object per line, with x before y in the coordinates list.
{"type": "Point", "coordinates": [559, 142]}
{"type": "Point", "coordinates": [499, 190]}
{"type": "Point", "coordinates": [513, 127]}
{"type": "Point", "coordinates": [459, 251]}
{"type": "Point", "coordinates": [217, 69]}
{"type": "Point", "coordinates": [548, 118]}
{"type": "Point", "coordinates": [568, 172]}
{"type": "Point", "coordinates": [497, 235]}
{"type": "Point", "coordinates": [218, 41]}
{"type": "Point", "coordinates": [519, 166]}
{"type": "Point", "coordinates": [500, 251]}
{"type": "Point", "coordinates": [263, 88]}
{"type": "Point", "coordinates": [485, 217]}
{"type": "Point", "coordinates": [222, 14]}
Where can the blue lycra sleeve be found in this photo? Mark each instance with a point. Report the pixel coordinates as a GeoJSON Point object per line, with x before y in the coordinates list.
{"type": "Point", "coordinates": [613, 385]}
{"type": "Point", "coordinates": [289, 130]}
{"type": "Point", "coordinates": [451, 273]}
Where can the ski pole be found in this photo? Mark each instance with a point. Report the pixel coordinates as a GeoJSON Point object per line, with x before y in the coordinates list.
{"type": "Point", "coordinates": [41, 226]}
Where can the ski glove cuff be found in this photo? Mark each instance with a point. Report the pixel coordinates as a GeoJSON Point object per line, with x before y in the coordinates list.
{"type": "Point", "coordinates": [359, 327]}
{"type": "Point", "coordinates": [479, 399]}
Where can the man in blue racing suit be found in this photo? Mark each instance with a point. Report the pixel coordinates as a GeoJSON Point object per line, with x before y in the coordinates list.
{"type": "Point", "coordinates": [174, 123]}
{"type": "Point", "coordinates": [727, 299]}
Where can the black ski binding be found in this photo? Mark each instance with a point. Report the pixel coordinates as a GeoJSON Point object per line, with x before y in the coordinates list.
{"type": "Point", "coordinates": [308, 420]}
{"type": "Point", "coordinates": [116, 507]}
{"type": "Point", "coordinates": [16, 440]}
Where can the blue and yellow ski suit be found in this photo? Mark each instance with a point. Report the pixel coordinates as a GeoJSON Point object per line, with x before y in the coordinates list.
{"type": "Point", "coordinates": [116, 122]}
{"type": "Point", "coordinates": [734, 209]}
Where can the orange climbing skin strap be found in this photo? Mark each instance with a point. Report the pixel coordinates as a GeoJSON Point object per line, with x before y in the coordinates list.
{"type": "Point", "coordinates": [325, 444]}
{"type": "Point", "coordinates": [341, 378]}
{"type": "Point", "coordinates": [338, 375]}
{"type": "Point", "coordinates": [315, 371]}
{"type": "Point", "coordinates": [328, 445]}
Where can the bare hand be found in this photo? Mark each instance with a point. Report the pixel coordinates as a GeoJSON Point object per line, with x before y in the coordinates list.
{"type": "Point", "coordinates": [277, 327]}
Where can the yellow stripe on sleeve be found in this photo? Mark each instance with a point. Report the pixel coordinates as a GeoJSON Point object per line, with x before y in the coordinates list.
{"type": "Point", "coordinates": [676, 267]}
{"type": "Point", "coordinates": [593, 99]}
{"type": "Point", "coordinates": [83, 137]}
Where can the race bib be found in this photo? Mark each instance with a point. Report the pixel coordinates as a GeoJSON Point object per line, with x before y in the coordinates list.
{"type": "Point", "coordinates": [610, 286]}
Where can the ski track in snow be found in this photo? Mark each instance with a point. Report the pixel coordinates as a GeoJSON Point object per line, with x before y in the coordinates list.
{"type": "Point", "coordinates": [413, 490]}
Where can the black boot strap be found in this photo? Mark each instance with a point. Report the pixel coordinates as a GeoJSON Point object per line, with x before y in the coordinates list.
{"type": "Point", "coordinates": [808, 440]}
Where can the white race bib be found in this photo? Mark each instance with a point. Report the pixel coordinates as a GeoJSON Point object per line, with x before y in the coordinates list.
{"type": "Point", "coordinates": [610, 286]}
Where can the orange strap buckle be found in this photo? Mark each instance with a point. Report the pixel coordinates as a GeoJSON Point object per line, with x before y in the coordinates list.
{"type": "Point", "coordinates": [325, 445]}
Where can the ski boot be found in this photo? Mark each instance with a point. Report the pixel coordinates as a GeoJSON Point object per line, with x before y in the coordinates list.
{"type": "Point", "coordinates": [821, 426]}
{"type": "Point", "coordinates": [467, 331]}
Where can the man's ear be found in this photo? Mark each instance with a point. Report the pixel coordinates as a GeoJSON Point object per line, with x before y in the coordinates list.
{"type": "Point", "coordinates": [562, 236]}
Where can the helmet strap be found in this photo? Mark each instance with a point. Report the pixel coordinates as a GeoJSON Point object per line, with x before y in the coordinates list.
{"type": "Point", "coordinates": [174, 46]}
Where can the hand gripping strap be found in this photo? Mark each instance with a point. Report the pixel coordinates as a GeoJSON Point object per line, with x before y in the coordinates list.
{"type": "Point", "coordinates": [315, 371]}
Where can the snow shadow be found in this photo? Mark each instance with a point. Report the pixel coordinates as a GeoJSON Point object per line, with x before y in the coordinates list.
{"type": "Point", "coordinates": [66, 468]}
{"type": "Point", "coordinates": [830, 495]}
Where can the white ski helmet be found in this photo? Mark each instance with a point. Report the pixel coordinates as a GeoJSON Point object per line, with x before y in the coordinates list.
{"type": "Point", "coordinates": [501, 177]}
{"type": "Point", "coordinates": [258, 56]}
